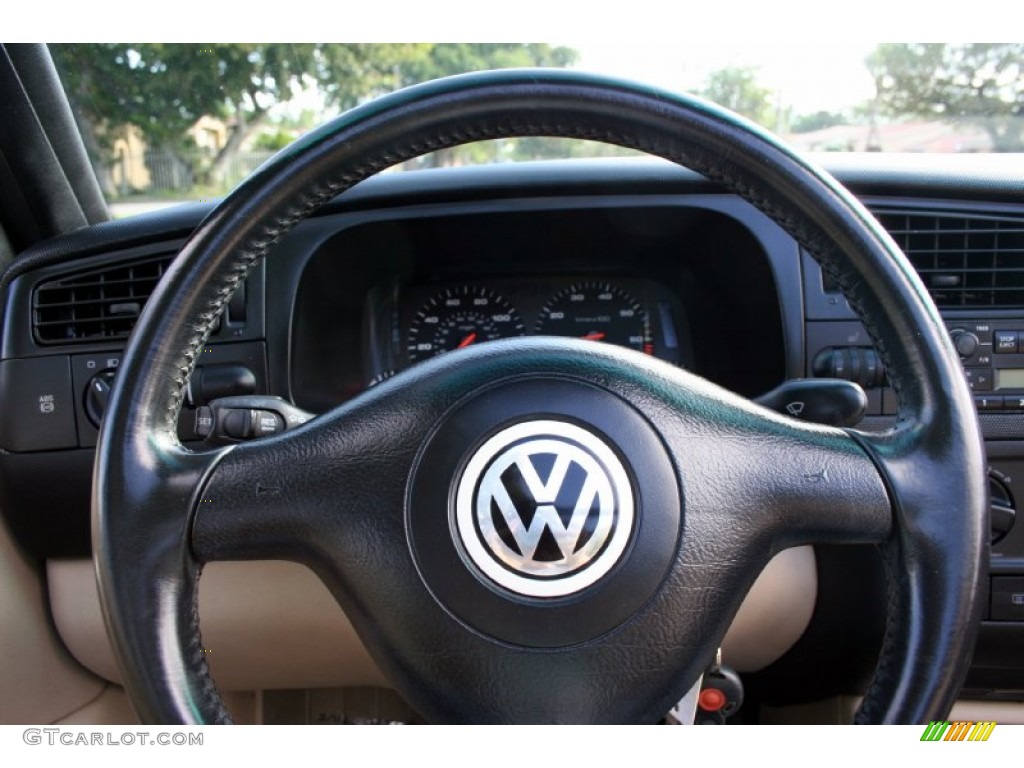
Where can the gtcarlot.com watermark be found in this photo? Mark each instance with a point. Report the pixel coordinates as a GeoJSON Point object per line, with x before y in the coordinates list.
{"type": "Point", "coordinates": [74, 738]}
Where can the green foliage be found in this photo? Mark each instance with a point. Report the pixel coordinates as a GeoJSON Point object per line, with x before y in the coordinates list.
{"type": "Point", "coordinates": [442, 59]}
{"type": "Point", "coordinates": [817, 121]}
{"type": "Point", "coordinates": [736, 88]}
{"type": "Point", "coordinates": [162, 89]}
{"type": "Point", "coordinates": [273, 141]}
{"type": "Point", "coordinates": [431, 61]}
{"type": "Point", "coordinates": [980, 84]}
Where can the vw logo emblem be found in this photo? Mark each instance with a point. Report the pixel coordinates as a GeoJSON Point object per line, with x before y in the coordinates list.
{"type": "Point", "coordinates": [544, 508]}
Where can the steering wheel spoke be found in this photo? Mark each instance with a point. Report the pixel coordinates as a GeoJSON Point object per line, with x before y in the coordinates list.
{"type": "Point", "coordinates": [759, 475]}
{"type": "Point", "coordinates": [324, 493]}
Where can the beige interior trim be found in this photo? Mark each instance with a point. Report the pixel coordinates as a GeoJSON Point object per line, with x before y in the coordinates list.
{"type": "Point", "coordinates": [111, 707]}
{"type": "Point", "coordinates": [775, 613]}
{"type": "Point", "coordinates": [266, 625]}
{"type": "Point", "coordinates": [1001, 712]}
{"type": "Point", "coordinates": [39, 681]}
{"type": "Point", "coordinates": [271, 625]}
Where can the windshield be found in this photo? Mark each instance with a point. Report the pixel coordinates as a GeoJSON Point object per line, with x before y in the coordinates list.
{"type": "Point", "coordinates": [171, 122]}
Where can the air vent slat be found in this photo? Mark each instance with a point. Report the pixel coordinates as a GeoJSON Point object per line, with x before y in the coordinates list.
{"type": "Point", "coordinates": [914, 231]}
{"type": "Point", "coordinates": [128, 282]}
{"type": "Point", "coordinates": [115, 299]}
{"type": "Point", "coordinates": [84, 320]}
{"type": "Point", "coordinates": [960, 251]}
{"type": "Point", "coordinates": [101, 304]}
{"type": "Point", "coordinates": [965, 260]}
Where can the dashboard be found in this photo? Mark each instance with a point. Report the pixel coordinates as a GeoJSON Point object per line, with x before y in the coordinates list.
{"type": "Point", "coordinates": [640, 254]}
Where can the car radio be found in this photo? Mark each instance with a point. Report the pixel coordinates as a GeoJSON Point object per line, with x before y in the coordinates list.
{"type": "Point", "coordinates": [991, 351]}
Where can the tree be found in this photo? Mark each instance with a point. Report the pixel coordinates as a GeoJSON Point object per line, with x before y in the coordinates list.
{"type": "Point", "coordinates": [163, 89]}
{"type": "Point", "coordinates": [817, 121]}
{"type": "Point", "coordinates": [979, 84]}
{"type": "Point", "coordinates": [441, 59]}
{"type": "Point", "coordinates": [444, 59]}
{"type": "Point", "coordinates": [736, 88]}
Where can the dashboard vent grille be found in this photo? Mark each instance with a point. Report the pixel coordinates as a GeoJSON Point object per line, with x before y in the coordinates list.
{"type": "Point", "coordinates": [100, 304]}
{"type": "Point", "coordinates": [963, 260]}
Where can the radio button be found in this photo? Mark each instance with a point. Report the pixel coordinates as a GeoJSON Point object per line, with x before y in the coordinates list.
{"type": "Point", "coordinates": [1007, 598]}
{"type": "Point", "coordinates": [979, 379]}
{"type": "Point", "coordinates": [988, 402]}
{"type": "Point", "coordinates": [1013, 403]}
{"type": "Point", "coordinates": [1005, 342]}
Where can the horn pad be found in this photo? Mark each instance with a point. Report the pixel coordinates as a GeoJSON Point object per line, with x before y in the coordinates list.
{"type": "Point", "coordinates": [536, 527]}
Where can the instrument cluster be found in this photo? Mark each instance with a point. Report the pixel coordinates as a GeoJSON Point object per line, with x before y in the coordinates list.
{"type": "Point", "coordinates": [638, 314]}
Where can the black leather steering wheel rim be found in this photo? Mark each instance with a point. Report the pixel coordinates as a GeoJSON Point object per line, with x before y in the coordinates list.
{"type": "Point", "coordinates": [931, 462]}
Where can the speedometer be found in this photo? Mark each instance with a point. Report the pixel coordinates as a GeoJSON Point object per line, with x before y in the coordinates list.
{"type": "Point", "coordinates": [459, 317]}
{"type": "Point", "coordinates": [598, 312]}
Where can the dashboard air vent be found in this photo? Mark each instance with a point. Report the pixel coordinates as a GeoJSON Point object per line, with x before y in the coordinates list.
{"type": "Point", "coordinates": [100, 304]}
{"type": "Point", "coordinates": [965, 260]}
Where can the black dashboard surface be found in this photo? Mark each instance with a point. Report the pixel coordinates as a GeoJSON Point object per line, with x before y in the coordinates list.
{"type": "Point", "coordinates": [410, 265]}
{"type": "Point", "coordinates": [641, 273]}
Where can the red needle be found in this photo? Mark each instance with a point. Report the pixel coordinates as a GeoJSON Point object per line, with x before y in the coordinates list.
{"type": "Point", "coordinates": [593, 336]}
{"type": "Point", "coordinates": [467, 341]}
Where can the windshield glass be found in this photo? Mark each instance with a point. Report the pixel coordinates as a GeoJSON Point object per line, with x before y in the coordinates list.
{"type": "Point", "coordinates": [170, 122]}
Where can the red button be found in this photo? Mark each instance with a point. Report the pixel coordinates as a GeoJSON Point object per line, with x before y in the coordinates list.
{"type": "Point", "coordinates": [711, 700]}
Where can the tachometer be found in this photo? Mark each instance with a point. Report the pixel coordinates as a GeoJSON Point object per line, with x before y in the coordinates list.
{"type": "Point", "coordinates": [459, 317]}
{"type": "Point", "coordinates": [598, 312]}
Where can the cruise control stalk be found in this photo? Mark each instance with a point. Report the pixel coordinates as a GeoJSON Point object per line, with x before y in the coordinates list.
{"type": "Point", "coordinates": [229, 420]}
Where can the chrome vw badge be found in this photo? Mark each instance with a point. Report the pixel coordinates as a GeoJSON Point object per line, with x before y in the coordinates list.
{"type": "Point", "coordinates": [544, 508]}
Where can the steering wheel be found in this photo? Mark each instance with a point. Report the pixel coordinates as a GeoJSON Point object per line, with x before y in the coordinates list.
{"type": "Point", "coordinates": [541, 530]}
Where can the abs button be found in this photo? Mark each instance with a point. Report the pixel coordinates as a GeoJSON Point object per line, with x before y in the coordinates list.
{"type": "Point", "coordinates": [39, 410]}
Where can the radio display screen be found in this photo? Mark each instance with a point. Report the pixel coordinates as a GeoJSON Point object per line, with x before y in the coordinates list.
{"type": "Point", "coordinates": [1010, 378]}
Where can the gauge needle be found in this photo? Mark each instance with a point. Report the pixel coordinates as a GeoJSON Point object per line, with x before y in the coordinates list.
{"type": "Point", "coordinates": [467, 341]}
{"type": "Point", "coordinates": [593, 336]}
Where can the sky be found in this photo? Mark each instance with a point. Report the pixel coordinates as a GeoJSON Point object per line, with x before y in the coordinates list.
{"type": "Point", "coordinates": [712, 23]}
{"type": "Point", "coordinates": [808, 76]}
{"type": "Point", "coordinates": [781, 67]}
{"type": "Point", "coordinates": [809, 52]}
